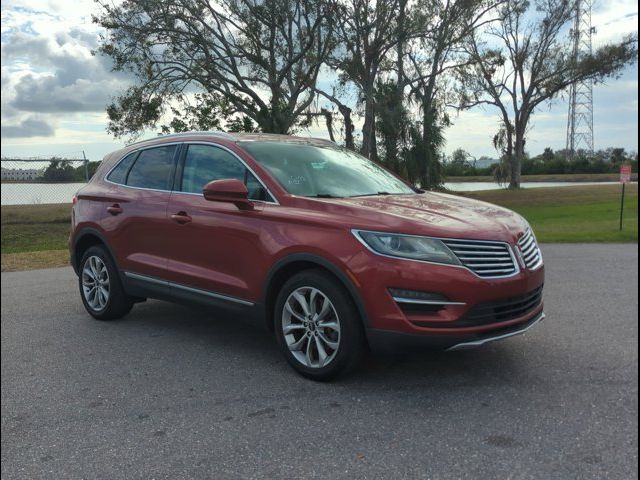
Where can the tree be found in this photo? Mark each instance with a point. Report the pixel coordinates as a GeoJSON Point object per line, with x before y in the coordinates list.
{"type": "Point", "coordinates": [207, 112]}
{"type": "Point", "coordinates": [344, 110]}
{"type": "Point", "coordinates": [367, 32]}
{"type": "Point", "coordinates": [58, 171]}
{"type": "Point", "coordinates": [392, 122]}
{"type": "Point", "coordinates": [525, 61]}
{"type": "Point", "coordinates": [460, 157]}
{"type": "Point", "coordinates": [548, 155]}
{"type": "Point", "coordinates": [432, 51]}
{"type": "Point", "coordinates": [260, 58]}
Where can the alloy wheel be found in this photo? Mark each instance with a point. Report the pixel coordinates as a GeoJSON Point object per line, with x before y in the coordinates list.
{"type": "Point", "coordinates": [95, 283]}
{"type": "Point", "coordinates": [311, 327]}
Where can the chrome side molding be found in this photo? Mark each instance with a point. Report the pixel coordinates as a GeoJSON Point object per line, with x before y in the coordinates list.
{"type": "Point", "coordinates": [185, 288]}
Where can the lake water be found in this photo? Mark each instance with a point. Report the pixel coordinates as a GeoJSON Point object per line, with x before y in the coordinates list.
{"type": "Point", "coordinates": [34, 193]}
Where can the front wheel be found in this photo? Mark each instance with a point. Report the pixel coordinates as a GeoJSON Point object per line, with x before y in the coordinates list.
{"type": "Point", "coordinates": [317, 326]}
{"type": "Point", "coordinates": [100, 286]}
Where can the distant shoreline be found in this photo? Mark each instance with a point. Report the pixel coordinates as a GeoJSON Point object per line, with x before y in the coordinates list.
{"type": "Point", "coordinates": [569, 177]}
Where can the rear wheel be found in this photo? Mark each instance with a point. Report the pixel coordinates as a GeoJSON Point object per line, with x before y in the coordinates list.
{"type": "Point", "coordinates": [100, 286]}
{"type": "Point", "coordinates": [317, 326]}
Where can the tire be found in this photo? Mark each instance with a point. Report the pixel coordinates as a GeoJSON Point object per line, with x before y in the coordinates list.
{"type": "Point", "coordinates": [324, 326]}
{"type": "Point", "coordinates": [107, 301]}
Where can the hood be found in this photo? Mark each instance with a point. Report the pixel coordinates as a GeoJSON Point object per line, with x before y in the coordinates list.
{"type": "Point", "coordinates": [434, 214]}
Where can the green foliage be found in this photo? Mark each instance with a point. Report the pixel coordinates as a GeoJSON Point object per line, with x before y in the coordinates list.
{"type": "Point", "coordinates": [548, 163]}
{"type": "Point", "coordinates": [237, 55]}
{"type": "Point", "coordinates": [392, 125]}
{"type": "Point", "coordinates": [58, 171]}
{"type": "Point", "coordinates": [64, 172]}
{"type": "Point", "coordinates": [207, 112]}
{"type": "Point", "coordinates": [423, 162]}
{"type": "Point", "coordinates": [602, 161]}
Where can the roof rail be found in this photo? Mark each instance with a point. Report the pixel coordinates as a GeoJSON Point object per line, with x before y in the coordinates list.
{"type": "Point", "coordinates": [212, 133]}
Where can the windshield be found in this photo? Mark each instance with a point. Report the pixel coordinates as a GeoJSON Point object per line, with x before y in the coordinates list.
{"type": "Point", "coordinates": [324, 171]}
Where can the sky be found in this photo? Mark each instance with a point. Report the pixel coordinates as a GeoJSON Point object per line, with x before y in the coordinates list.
{"type": "Point", "coordinates": [54, 91]}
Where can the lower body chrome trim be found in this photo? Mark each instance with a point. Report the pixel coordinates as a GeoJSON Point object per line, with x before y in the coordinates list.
{"type": "Point", "coordinates": [477, 343]}
{"type": "Point", "coordinates": [199, 291]}
{"type": "Point", "coordinates": [425, 302]}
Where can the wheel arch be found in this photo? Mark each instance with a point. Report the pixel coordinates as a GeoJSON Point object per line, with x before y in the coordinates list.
{"type": "Point", "coordinates": [297, 262]}
{"type": "Point", "coordinates": [86, 239]}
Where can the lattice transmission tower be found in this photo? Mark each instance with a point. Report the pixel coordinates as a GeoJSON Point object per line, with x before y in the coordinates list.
{"type": "Point", "coordinates": [580, 121]}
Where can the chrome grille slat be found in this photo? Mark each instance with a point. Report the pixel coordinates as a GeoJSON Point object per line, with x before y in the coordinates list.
{"type": "Point", "coordinates": [473, 247]}
{"type": "Point", "coordinates": [489, 264]}
{"type": "Point", "coordinates": [485, 259]}
{"type": "Point", "coordinates": [491, 254]}
{"type": "Point", "coordinates": [496, 271]}
{"type": "Point", "coordinates": [529, 246]}
{"type": "Point", "coordinates": [530, 250]}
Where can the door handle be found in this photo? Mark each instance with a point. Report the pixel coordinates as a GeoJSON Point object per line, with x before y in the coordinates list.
{"type": "Point", "coordinates": [115, 209]}
{"type": "Point", "coordinates": [181, 217]}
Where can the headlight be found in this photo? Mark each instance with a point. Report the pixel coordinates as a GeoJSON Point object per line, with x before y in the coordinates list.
{"type": "Point", "coordinates": [407, 246]}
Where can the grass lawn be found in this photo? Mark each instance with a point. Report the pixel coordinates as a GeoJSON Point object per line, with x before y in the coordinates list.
{"type": "Point", "coordinates": [30, 228]}
{"type": "Point", "coordinates": [13, 262]}
{"type": "Point", "coordinates": [566, 214]}
{"type": "Point", "coordinates": [572, 214]}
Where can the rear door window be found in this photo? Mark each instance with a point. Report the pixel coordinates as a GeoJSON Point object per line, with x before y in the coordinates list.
{"type": "Point", "coordinates": [153, 168]}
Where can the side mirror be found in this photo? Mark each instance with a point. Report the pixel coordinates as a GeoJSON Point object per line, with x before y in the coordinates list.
{"type": "Point", "coordinates": [228, 191]}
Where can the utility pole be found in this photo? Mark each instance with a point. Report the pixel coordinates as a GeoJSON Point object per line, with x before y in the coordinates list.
{"type": "Point", "coordinates": [580, 119]}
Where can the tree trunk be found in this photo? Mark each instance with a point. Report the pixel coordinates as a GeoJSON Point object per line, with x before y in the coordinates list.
{"type": "Point", "coordinates": [328, 118]}
{"type": "Point", "coordinates": [348, 127]}
{"type": "Point", "coordinates": [425, 165]}
{"type": "Point", "coordinates": [516, 158]}
{"type": "Point", "coordinates": [369, 149]}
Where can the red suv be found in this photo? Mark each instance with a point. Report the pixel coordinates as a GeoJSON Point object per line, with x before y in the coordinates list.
{"type": "Point", "coordinates": [334, 253]}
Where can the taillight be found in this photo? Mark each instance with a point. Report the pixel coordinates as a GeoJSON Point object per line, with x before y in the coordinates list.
{"type": "Point", "coordinates": [74, 200]}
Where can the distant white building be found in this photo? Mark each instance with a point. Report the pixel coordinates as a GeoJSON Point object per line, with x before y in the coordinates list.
{"type": "Point", "coordinates": [20, 173]}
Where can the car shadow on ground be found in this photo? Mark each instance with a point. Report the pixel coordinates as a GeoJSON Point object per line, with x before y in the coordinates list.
{"type": "Point", "coordinates": [497, 364]}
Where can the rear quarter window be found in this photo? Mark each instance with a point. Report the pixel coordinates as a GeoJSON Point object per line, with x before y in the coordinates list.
{"type": "Point", "coordinates": [119, 173]}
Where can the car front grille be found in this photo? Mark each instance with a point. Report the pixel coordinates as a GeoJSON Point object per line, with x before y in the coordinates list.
{"type": "Point", "coordinates": [492, 312]}
{"type": "Point", "coordinates": [503, 310]}
{"type": "Point", "coordinates": [530, 251]}
{"type": "Point", "coordinates": [485, 259]}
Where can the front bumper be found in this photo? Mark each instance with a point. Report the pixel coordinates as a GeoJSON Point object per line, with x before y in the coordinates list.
{"type": "Point", "coordinates": [385, 340]}
{"type": "Point", "coordinates": [465, 296]}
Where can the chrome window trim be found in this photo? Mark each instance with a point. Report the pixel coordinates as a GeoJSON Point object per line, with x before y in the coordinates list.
{"type": "Point", "coordinates": [137, 150]}
{"type": "Point", "coordinates": [517, 270]}
{"type": "Point", "coordinates": [200, 291]}
{"type": "Point", "coordinates": [210, 143]}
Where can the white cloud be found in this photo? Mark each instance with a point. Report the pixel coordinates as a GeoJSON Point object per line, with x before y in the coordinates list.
{"type": "Point", "coordinates": [50, 80]}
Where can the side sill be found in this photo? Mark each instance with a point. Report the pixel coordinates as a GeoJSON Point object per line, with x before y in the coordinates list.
{"type": "Point", "coordinates": [152, 287]}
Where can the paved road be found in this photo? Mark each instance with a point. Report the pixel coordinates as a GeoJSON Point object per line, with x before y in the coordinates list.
{"type": "Point", "coordinates": [174, 393]}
